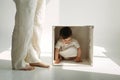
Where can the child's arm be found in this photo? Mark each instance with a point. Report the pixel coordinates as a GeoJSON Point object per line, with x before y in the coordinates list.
{"type": "Point", "coordinates": [78, 58]}
{"type": "Point", "coordinates": [57, 60]}
{"type": "Point", "coordinates": [79, 52]}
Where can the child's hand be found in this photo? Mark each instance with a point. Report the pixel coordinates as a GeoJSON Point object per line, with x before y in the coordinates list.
{"type": "Point", "coordinates": [77, 59]}
{"type": "Point", "coordinates": [57, 61]}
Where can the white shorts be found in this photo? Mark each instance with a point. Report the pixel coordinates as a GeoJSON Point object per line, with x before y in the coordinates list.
{"type": "Point", "coordinates": [70, 52]}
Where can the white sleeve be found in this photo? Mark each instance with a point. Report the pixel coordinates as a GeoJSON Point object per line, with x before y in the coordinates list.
{"type": "Point", "coordinates": [58, 45]}
{"type": "Point", "coordinates": [76, 44]}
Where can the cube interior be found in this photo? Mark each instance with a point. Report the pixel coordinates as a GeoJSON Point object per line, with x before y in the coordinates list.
{"type": "Point", "coordinates": [84, 35]}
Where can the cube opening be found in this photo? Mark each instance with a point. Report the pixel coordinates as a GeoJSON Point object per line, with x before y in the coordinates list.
{"type": "Point", "coordinates": [84, 36]}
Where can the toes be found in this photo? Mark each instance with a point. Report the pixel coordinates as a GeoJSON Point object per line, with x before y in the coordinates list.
{"type": "Point", "coordinates": [27, 68]}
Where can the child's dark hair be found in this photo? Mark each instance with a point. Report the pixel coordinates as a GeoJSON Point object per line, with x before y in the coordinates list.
{"type": "Point", "coordinates": [65, 32]}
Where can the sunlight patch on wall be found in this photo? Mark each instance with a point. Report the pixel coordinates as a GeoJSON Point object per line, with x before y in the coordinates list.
{"type": "Point", "coordinates": [5, 55]}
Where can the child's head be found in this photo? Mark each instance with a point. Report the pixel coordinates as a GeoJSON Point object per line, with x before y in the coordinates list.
{"type": "Point", "coordinates": [65, 34]}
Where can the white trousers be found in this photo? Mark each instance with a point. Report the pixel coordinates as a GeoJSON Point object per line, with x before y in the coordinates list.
{"type": "Point", "coordinates": [25, 38]}
{"type": "Point", "coordinates": [70, 52]}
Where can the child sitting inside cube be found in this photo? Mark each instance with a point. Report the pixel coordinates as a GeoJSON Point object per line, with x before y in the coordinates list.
{"type": "Point", "coordinates": [67, 48]}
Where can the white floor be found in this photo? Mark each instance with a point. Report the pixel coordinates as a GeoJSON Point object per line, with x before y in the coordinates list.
{"type": "Point", "coordinates": [103, 69]}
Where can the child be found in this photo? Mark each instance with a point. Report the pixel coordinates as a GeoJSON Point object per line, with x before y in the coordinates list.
{"type": "Point", "coordinates": [67, 47]}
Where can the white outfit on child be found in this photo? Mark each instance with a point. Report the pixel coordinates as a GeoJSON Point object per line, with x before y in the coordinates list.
{"type": "Point", "coordinates": [67, 50]}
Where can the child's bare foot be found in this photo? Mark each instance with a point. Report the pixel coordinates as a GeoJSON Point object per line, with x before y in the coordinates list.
{"type": "Point", "coordinates": [77, 59]}
{"type": "Point", "coordinates": [40, 64]}
{"type": "Point", "coordinates": [27, 68]}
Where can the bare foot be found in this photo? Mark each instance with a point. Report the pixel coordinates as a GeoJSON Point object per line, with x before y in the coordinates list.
{"type": "Point", "coordinates": [27, 68]}
{"type": "Point", "coordinates": [40, 64]}
{"type": "Point", "coordinates": [77, 59]}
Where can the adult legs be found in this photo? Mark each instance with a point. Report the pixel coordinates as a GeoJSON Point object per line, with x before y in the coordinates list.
{"type": "Point", "coordinates": [38, 23]}
{"type": "Point", "coordinates": [22, 33]}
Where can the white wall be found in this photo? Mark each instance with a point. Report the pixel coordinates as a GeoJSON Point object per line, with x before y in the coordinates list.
{"type": "Point", "coordinates": [103, 14]}
{"type": "Point", "coordinates": [7, 12]}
